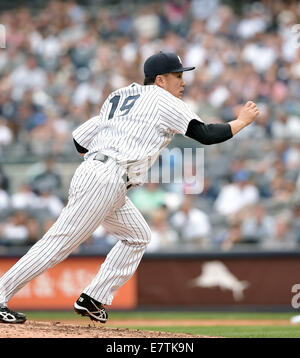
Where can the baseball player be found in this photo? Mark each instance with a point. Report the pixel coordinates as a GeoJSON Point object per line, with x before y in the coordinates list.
{"type": "Point", "coordinates": [119, 146]}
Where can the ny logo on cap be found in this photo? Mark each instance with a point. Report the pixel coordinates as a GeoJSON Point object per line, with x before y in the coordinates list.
{"type": "Point", "coordinates": [179, 59]}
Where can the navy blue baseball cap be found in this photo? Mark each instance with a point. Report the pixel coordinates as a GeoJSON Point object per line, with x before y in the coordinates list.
{"type": "Point", "coordinates": [163, 62]}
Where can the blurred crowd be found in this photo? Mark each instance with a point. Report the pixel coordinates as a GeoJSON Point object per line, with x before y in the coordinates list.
{"type": "Point", "coordinates": [60, 63]}
{"type": "Point", "coordinates": [28, 212]}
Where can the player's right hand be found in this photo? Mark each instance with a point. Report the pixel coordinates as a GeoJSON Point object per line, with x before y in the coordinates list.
{"type": "Point", "coordinates": [248, 113]}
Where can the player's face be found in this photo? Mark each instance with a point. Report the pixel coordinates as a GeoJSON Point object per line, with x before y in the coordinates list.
{"type": "Point", "coordinates": [172, 82]}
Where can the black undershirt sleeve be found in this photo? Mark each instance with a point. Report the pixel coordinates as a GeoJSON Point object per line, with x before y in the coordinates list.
{"type": "Point", "coordinates": [80, 148]}
{"type": "Point", "coordinates": [209, 133]}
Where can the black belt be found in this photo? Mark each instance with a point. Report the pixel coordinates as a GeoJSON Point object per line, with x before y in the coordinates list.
{"type": "Point", "coordinates": [104, 158]}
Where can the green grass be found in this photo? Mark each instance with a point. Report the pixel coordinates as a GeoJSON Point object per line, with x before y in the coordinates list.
{"type": "Point", "coordinates": [231, 331]}
{"type": "Point", "coordinates": [276, 331]}
{"type": "Point", "coordinates": [200, 315]}
{"type": "Point", "coordinates": [165, 315]}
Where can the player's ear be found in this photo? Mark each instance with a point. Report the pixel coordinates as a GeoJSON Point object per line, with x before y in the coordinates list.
{"type": "Point", "coordinates": [160, 81]}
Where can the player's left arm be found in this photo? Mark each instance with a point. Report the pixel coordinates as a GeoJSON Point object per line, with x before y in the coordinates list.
{"type": "Point", "coordinates": [220, 132]}
{"type": "Point", "coordinates": [180, 119]}
{"type": "Point", "coordinates": [208, 133]}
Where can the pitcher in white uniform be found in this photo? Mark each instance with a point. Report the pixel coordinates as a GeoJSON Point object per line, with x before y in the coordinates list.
{"type": "Point", "coordinates": [119, 145]}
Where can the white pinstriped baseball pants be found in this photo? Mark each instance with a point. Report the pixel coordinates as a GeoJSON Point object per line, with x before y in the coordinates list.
{"type": "Point", "coordinates": [97, 196]}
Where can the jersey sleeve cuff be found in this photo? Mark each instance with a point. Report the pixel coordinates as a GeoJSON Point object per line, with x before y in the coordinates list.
{"type": "Point", "coordinates": [79, 148]}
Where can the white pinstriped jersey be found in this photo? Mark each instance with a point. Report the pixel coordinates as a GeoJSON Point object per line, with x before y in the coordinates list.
{"type": "Point", "coordinates": [134, 125]}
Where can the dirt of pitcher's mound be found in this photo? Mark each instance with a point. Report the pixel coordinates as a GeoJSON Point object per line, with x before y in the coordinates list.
{"type": "Point", "coordinates": [35, 329]}
{"type": "Point", "coordinates": [88, 329]}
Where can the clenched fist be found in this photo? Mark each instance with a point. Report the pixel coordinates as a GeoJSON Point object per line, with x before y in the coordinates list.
{"type": "Point", "coordinates": [245, 117]}
{"type": "Point", "coordinates": [248, 113]}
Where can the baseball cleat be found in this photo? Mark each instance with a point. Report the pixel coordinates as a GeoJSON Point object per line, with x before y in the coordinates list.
{"type": "Point", "coordinates": [9, 316]}
{"type": "Point", "coordinates": [87, 306]}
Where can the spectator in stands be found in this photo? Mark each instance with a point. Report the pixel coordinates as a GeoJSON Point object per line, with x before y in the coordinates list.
{"type": "Point", "coordinates": [148, 198]}
{"type": "Point", "coordinates": [283, 238]}
{"type": "Point", "coordinates": [202, 10]}
{"type": "Point", "coordinates": [192, 224]}
{"type": "Point", "coordinates": [235, 196]}
{"type": "Point", "coordinates": [50, 203]}
{"type": "Point", "coordinates": [231, 235]}
{"type": "Point", "coordinates": [24, 198]}
{"type": "Point", "coordinates": [51, 135]}
{"type": "Point", "coordinates": [27, 76]}
{"type": "Point", "coordinates": [163, 236]}
{"type": "Point", "coordinates": [147, 23]}
{"type": "Point", "coordinates": [258, 225]}
{"type": "Point", "coordinates": [14, 231]}
{"type": "Point", "coordinates": [285, 126]}
{"type": "Point", "coordinates": [210, 189]}
{"type": "Point", "coordinates": [283, 190]}
{"type": "Point", "coordinates": [34, 230]}
{"type": "Point", "coordinates": [45, 176]}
